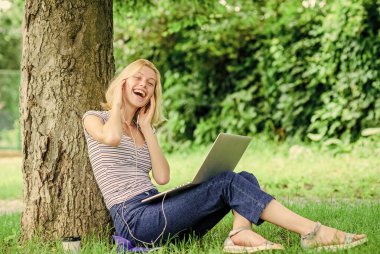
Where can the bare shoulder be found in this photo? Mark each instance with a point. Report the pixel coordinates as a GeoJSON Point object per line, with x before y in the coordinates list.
{"type": "Point", "coordinates": [94, 126]}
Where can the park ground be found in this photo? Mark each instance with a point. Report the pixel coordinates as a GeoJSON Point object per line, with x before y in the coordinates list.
{"type": "Point", "coordinates": [339, 186]}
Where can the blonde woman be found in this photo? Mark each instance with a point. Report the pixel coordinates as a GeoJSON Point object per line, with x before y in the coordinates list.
{"type": "Point", "coordinates": [123, 149]}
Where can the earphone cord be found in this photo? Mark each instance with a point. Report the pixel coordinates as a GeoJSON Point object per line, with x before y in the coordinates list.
{"type": "Point", "coordinates": [162, 204]}
{"type": "Point", "coordinates": [158, 237]}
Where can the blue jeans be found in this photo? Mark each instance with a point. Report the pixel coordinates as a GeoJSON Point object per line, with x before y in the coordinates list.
{"type": "Point", "coordinates": [193, 211]}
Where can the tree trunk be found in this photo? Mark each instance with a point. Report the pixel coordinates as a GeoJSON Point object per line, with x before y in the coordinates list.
{"type": "Point", "coordinates": [67, 62]}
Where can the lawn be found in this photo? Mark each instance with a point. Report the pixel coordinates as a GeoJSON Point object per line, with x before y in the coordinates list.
{"type": "Point", "coordinates": [354, 216]}
{"type": "Point", "coordinates": [338, 187]}
{"type": "Point", "coordinates": [10, 178]}
{"type": "Point", "coordinates": [294, 170]}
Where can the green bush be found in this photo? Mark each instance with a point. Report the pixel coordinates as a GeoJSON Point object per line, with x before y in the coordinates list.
{"type": "Point", "coordinates": [9, 93]}
{"type": "Point", "coordinates": [281, 67]}
{"type": "Point", "coordinates": [10, 51]}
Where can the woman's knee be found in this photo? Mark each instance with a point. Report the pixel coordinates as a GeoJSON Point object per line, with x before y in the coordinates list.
{"type": "Point", "coordinates": [250, 177]}
{"type": "Point", "coordinates": [229, 175]}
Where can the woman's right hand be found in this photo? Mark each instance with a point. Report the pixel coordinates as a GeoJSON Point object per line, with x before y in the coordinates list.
{"type": "Point", "coordinates": [117, 100]}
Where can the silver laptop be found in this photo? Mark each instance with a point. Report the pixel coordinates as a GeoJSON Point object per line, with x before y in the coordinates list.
{"type": "Point", "coordinates": [224, 155]}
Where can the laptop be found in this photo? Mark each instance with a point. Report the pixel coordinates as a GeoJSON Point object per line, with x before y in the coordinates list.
{"type": "Point", "coordinates": [223, 156]}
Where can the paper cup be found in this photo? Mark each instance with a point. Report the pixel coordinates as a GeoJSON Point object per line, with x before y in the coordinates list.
{"type": "Point", "coordinates": [71, 244]}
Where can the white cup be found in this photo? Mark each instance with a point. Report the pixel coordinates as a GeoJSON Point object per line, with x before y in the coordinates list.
{"type": "Point", "coordinates": [71, 244]}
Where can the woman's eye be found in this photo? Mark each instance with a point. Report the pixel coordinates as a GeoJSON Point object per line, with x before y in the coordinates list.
{"type": "Point", "coordinates": [137, 77]}
{"type": "Point", "coordinates": [150, 84]}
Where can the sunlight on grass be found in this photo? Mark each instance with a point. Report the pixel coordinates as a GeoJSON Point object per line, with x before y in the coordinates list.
{"type": "Point", "coordinates": [308, 172]}
{"type": "Point", "coordinates": [284, 170]}
{"type": "Point", "coordinates": [10, 178]}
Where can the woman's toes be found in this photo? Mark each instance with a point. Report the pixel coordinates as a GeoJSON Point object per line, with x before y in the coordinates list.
{"type": "Point", "coordinates": [331, 239]}
{"type": "Point", "coordinates": [278, 246]}
{"type": "Point", "coordinates": [359, 237]}
{"type": "Point", "coordinates": [332, 236]}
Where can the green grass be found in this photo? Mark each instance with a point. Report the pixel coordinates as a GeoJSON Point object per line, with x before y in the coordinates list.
{"type": "Point", "coordinates": [10, 178]}
{"type": "Point", "coordinates": [287, 170]}
{"type": "Point", "coordinates": [284, 170]}
{"type": "Point", "coordinates": [338, 189]}
{"type": "Point", "coordinates": [354, 216]}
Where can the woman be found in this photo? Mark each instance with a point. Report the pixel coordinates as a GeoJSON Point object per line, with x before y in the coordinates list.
{"type": "Point", "coordinates": [123, 148]}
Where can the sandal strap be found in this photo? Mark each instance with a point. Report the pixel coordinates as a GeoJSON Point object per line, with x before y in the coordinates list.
{"type": "Point", "coordinates": [269, 243]}
{"type": "Point", "coordinates": [348, 238]}
{"type": "Point", "coordinates": [312, 234]}
{"type": "Point", "coordinates": [238, 230]}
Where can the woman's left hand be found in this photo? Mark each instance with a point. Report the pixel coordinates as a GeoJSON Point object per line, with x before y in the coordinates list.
{"type": "Point", "coordinates": [146, 113]}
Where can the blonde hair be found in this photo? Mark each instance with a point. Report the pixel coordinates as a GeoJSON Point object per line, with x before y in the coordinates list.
{"type": "Point", "coordinates": [129, 71]}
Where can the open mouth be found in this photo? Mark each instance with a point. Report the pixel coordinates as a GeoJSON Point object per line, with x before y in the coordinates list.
{"type": "Point", "coordinates": [140, 93]}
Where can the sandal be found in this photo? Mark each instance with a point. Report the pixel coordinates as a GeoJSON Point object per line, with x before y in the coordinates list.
{"type": "Point", "coordinates": [230, 247]}
{"type": "Point", "coordinates": [348, 243]}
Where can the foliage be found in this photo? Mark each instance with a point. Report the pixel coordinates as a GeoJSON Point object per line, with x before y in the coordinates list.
{"type": "Point", "coordinates": [10, 36]}
{"type": "Point", "coordinates": [307, 69]}
{"type": "Point", "coordinates": [9, 99]}
{"type": "Point", "coordinates": [288, 68]}
{"type": "Point", "coordinates": [10, 139]}
{"type": "Point", "coordinates": [10, 48]}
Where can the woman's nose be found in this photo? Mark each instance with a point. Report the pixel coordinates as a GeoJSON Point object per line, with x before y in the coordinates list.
{"type": "Point", "coordinates": [142, 83]}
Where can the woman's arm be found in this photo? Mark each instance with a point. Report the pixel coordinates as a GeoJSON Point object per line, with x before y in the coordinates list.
{"type": "Point", "coordinates": [160, 166]}
{"type": "Point", "coordinates": [108, 133]}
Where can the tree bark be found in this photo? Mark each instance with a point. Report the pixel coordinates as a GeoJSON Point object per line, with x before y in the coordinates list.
{"type": "Point", "coordinates": [67, 62]}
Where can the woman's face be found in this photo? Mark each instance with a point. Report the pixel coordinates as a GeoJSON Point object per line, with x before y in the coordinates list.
{"type": "Point", "coordinates": [140, 87]}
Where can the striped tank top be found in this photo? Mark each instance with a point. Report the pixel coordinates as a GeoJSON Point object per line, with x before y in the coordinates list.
{"type": "Point", "coordinates": [115, 167]}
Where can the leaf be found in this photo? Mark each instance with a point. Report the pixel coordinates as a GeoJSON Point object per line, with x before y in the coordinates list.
{"type": "Point", "coordinates": [370, 131]}
{"type": "Point", "coordinates": [315, 137]}
{"type": "Point", "coordinates": [332, 141]}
